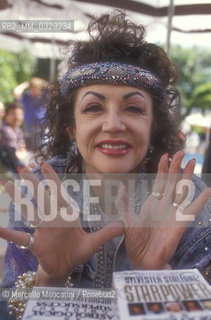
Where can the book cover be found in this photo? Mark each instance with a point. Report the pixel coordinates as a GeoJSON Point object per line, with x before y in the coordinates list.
{"type": "Point", "coordinates": [162, 295]}
{"type": "Point", "coordinates": [75, 304]}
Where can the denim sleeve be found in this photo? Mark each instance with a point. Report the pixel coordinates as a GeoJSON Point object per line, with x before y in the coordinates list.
{"type": "Point", "coordinates": [194, 249]}
{"type": "Point", "coordinates": [16, 261]}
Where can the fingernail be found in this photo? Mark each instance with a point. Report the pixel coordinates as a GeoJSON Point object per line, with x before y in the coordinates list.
{"type": "Point", "coordinates": [3, 182]}
{"type": "Point", "coordinates": [19, 168]}
{"type": "Point", "coordinates": [193, 161]}
{"type": "Point", "coordinates": [167, 155]}
{"type": "Point", "coordinates": [44, 167]}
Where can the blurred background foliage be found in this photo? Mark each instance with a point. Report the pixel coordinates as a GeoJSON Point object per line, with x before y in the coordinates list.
{"type": "Point", "coordinates": [194, 81]}
{"type": "Point", "coordinates": [14, 69]}
{"type": "Point", "coordinates": [201, 96]}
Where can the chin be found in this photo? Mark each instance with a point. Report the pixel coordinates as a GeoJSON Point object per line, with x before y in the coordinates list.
{"type": "Point", "coordinates": [115, 170]}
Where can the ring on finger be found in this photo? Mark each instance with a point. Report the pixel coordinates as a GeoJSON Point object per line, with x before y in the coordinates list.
{"type": "Point", "coordinates": [183, 206]}
{"type": "Point", "coordinates": [157, 195]}
{"type": "Point", "coordinates": [30, 244]}
{"type": "Point", "coordinates": [175, 205]}
{"type": "Point", "coordinates": [34, 226]}
{"type": "Point", "coordinates": [63, 206]}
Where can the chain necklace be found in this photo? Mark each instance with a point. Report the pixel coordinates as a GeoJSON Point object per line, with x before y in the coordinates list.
{"type": "Point", "coordinates": [99, 278]}
{"type": "Point", "coordinates": [99, 281]}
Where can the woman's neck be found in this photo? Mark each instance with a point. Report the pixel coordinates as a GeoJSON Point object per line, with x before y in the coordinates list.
{"type": "Point", "coordinates": [106, 188]}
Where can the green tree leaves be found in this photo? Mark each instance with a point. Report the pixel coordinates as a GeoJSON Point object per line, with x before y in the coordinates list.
{"type": "Point", "coordinates": [14, 69]}
{"type": "Point", "coordinates": [194, 84]}
{"type": "Point", "coordinates": [201, 97]}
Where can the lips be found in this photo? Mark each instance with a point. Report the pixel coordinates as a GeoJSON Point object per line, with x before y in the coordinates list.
{"type": "Point", "coordinates": [114, 147]}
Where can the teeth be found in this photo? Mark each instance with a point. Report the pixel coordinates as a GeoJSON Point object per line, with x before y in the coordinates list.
{"type": "Point", "coordinates": [111, 146]}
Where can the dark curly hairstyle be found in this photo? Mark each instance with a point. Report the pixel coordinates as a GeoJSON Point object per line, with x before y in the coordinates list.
{"type": "Point", "coordinates": [114, 38]}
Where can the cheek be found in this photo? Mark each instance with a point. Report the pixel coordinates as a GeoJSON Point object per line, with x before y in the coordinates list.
{"type": "Point", "coordinates": [145, 129]}
{"type": "Point", "coordinates": [82, 134]}
{"type": "Point", "coordinates": [143, 136]}
{"type": "Point", "coordinates": [86, 127]}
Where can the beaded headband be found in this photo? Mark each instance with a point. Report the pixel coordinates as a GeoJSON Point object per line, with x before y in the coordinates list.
{"type": "Point", "coordinates": [112, 73]}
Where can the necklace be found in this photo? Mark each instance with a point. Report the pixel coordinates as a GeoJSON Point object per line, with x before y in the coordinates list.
{"type": "Point", "coordinates": [99, 278]}
{"type": "Point", "coordinates": [100, 281]}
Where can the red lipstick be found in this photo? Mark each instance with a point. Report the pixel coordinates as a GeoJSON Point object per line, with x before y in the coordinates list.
{"type": "Point", "coordinates": [114, 147]}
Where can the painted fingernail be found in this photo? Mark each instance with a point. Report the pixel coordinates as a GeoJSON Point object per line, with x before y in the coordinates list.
{"type": "Point", "coordinates": [3, 182]}
{"type": "Point", "coordinates": [19, 168]}
{"type": "Point", "coordinates": [45, 168]}
{"type": "Point", "coordinates": [193, 161]}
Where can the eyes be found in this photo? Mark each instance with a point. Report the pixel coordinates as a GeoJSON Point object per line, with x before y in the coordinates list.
{"type": "Point", "coordinates": [96, 108]}
{"type": "Point", "coordinates": [93, 108]}
{"type": "Point", "coordinates": [135, 109]}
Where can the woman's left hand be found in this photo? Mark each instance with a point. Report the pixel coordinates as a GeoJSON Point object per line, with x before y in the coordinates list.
{"type": "Point", "coordinates": [59, 242]}
{"type": "Point", "coordinates": [152, 235]}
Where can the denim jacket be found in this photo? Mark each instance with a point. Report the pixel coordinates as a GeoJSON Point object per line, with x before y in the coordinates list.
{"type": "Point", "coordinates": [193, 251]}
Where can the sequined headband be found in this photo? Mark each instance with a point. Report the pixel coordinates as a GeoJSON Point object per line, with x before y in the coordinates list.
{"type": "Point", "coordinates": [111, 73]}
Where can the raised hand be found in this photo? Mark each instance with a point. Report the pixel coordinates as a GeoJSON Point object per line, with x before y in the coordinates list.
{"type": "Point", "coordinates": [152, 236]}
{"type": "Point", "coordinates": [58, 245]}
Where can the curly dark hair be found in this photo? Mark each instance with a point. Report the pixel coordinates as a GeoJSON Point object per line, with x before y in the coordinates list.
{"type": "Point", "coordinates": [114, 38]}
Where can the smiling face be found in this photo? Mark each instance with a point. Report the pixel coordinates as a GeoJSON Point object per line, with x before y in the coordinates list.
{"type": "Point", "coordinates": [112, 127]}
{"type": "Point", "coordinates": [14, 117]}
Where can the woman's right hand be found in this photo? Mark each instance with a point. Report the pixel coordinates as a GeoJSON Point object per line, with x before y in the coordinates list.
{"type": "Point", "coordinates": [59, 246]}
{"type": "Point", "coordinates": [153, 234]}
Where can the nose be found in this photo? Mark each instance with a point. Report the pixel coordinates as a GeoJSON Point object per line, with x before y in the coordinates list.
{"type": "Point", "coordinates": [113, 123]}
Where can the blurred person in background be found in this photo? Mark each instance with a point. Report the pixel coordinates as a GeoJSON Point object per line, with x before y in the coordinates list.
{"type": "Point", "coordinates": [12, 143]}
{"type": "Point", "coordinates": [32, 96]}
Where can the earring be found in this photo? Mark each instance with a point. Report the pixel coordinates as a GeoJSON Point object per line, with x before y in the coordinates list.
{"type": "Point", "coordinates": [74, 148]}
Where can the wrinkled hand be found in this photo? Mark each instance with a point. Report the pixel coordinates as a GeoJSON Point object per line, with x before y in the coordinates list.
{"type": "Point", "coordinates": [152, 236]}
{"type": "Point", "coordinates": [58, 245]}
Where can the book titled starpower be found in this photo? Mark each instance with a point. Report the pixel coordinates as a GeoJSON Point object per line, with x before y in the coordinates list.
{"type": "Point", "coordinates": [162, 295]}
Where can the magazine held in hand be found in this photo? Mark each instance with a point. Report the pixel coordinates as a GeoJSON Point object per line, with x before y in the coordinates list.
{"type": "Point", "coordinates": [144, 295]}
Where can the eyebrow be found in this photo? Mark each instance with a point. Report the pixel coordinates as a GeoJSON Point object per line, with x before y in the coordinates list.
{"type": "Point", "coordinates": [102, 97]}
{"type": "Point", "coordinates": [98, 95]}
{"type": "Point", "coordinates": [128, 95]}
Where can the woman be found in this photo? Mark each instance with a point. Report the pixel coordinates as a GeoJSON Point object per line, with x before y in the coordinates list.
{"type": "Point", "coordinates": [113, 112]}
{"type": "Point", "coordinates": [12, 144]}
{"type": "Point", "coordinates": [11, 133]}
